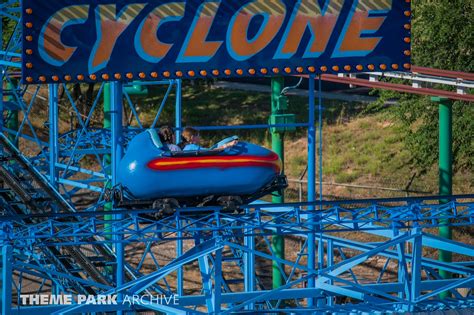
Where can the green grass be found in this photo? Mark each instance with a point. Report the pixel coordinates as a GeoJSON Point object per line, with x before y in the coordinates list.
{"type": "Point", "coordinates": [204, 106]}
{"type": "Point", "coordinates": [358, 149]}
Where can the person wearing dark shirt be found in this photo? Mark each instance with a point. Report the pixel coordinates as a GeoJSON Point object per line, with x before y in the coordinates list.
{"type": "Point", "coordinates": [167, 137]}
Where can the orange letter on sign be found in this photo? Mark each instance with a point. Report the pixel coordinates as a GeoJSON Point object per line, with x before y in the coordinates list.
{"type": "Point", "coordinates": [307, 13]}
{"type": "Point", "coordinates": [50, 46]}
{"type": "Point", "coordinates": [360, 22]}
{"type": "Point", "coordinates": [109, 26]}
{"type": "Point", "coordinates": [195, 47]}
{"type": "Point", "coordinates": [239, 46]}
{"type": "Point", "coordinates": [147, 44]}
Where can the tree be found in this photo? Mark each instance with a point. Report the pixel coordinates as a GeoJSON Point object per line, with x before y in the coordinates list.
{"type": "Point", "coordinates": [8, 26]}
{"type": "Point", "coordinates": [443, 38]}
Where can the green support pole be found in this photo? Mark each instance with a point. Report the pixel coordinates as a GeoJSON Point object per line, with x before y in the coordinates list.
{"type": "Point", "coordinates": [136, 90]}
{"type": "Point", "coordinates": [278, 241]}
{"type": "Point", "coordinates": [107, 159]}
{"type": "Point", "coordinates": [445, 173]}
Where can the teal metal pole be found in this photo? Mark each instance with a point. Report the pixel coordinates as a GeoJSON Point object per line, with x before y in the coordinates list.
{"type": "Point", "coordinates": [311, 181]}
{"type": "Point", "coordinates": [320, 262]}
{"type": "Point", "coordinates": [107, 158]}
{"type": "Point", "coordinates": [117, 151]}
{"type": "Point", "coordinates": [320, 129]}
{"type": "Point", "coordinates": [108, 172]}
{"type": "Point", "coordinates": [278, 242]}
{"type": "Point", "coordinates": [445, 173]}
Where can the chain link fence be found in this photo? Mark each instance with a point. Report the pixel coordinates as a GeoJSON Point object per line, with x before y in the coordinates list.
{"type": "Point", "coordinates": [298, 190]}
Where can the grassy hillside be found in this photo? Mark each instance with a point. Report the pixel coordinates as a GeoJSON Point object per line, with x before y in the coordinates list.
{"type": "Point", "coordinates": [203, 105]}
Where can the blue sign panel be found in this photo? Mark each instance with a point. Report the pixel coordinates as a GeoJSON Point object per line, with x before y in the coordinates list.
{"type": "Point", "coordinates": [85, 40]}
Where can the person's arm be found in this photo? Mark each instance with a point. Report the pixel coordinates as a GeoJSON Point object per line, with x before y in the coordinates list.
{"type": "Point", "coordinates": [174, 148]}
{"type": "Point", "coordinates": [194, 147]}
{"type": "Point", "coordinates": [228, 144]}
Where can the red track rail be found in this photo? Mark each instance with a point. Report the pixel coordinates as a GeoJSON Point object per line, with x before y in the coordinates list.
{"type": "Point", "coordinates": [443, 73]}
{"type": "Point", "coordinates": [399, 87]}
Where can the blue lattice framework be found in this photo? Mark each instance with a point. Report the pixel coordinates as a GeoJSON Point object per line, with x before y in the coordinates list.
{"type": "Point", "coordinates": [396, 225]}
{"type": "Point", "coordinates": [50, 245]}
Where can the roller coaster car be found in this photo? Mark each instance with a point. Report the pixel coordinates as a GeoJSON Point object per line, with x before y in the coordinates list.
{"type": "Point", "coordinates": [150, 174]}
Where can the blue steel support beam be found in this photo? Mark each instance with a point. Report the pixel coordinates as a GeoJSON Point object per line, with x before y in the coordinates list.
{"type": "Point", "coordinates": [417, 254]}
{"type": "Point", "coordinates": [2, 74]}
{"type": "Point", "coordinates": [178, 111]}
{"type": "Point", "coordinates": [9, 54]}
{"type": "Point", "coordinates": [117, 151]}
{"type": "Point", "coordinates": [373, 219]}
{"type": "Point", "coordinates": [1, 91]}
{"type": "Point", "coordinates": [427, 262]}
{"type": "Point", "coordinates": [53, 133]}
{"type": "Point", "coordinates": [12, 115]}
{"type": "Point", "coordinates": [10, 64]}
{"type": "Point", "coordinates": [462, 283]}
{"type": "Point", "coordinates": [140, 285]}
{"type": "Point", "coordinates": [205, 269]}
{"type": "Point", "coordinates": [217, 293]}
{"type": "Point", "coordinates": [38, 270]}
{"type": "Point", "coordinates": [242, 297]}
{"type": "Point", "coordinates": [255, 126]}
{"type": "Point", "coordinates": [162, 105]}
{"type": "Point", "coordinates": [330, 263]}
{"type": "Point", "coordinates": [347, 264]}
{"type": "Point", "coordinates": [320, 172]}
{"type": "Point", "coordinates": [249, 264]}
{"type": "Point", "coordinates": [361, 291]}
{"type": "Point", "coordinates": [179, 253]}
{"type": "Point", "coordinates": [311, 179]}
{"type": "Point", "coordinates": [7, 276]}
{"type": "Point", "coordinates": [402, 271]}
{"type": "Point", "coordinates": [271, 295]}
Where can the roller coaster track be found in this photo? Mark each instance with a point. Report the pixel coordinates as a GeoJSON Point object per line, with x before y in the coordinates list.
{"type": "Point", "coordinates": [419, 76]}
{"type": "Point", "coordinates": [30, 193]}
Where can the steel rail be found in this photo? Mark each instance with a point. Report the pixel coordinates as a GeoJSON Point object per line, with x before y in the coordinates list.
{"type": "Point", "coordinates": [397, 87]}
{"type": "Point", "coordinates": [443, 73]}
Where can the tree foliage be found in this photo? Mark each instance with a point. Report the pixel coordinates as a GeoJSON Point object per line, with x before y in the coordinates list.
{"type": "Point", "coordinates": [8, 26]}
{"type": "Point", "coordinates": [442, 38]}
{"type": "Point", "coordinates": [443, 34]}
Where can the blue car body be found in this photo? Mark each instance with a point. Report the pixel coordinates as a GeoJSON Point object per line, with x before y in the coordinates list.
{"type": "Point", "coordinates": [149, 170]}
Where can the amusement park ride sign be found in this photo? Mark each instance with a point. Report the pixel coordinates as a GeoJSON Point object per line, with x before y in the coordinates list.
{"type": "Point", "coordinates": [85, 40]}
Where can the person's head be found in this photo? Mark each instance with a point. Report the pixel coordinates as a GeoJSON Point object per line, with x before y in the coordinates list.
{"type": "Point", "coordinates": [166, 135]}
{"type": "Point", "coordinates": [191, 135]}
